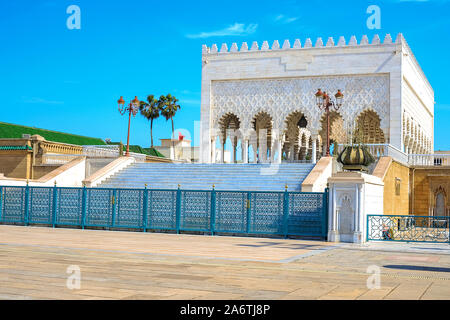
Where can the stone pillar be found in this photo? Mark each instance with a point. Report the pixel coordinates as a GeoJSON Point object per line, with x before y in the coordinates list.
{"type": "Point", "coordinates": [291, 152]}
{"type": "Point", "coordinates": [233, 152]}
{"type": "Point", "coordinates": [234, 143]}
{"type": "Point", "coordinates": [353, 195]}
{"type": "Point", "coordinates": [222, 149]}
{"type": "Point", "coordinates": [333, 234]}
{"type": "Point", "coordinates": [172, 151]}
{"type": "Point", "coordinates": [262, 145]}
{"type": "Point", "coordinates": [255, 154]}
{"type": "Point", "coordinates": [314, 149]}
{"type": "Point", "coordinates": [262, 153]}
{"type": "Point", "coordinates": [279, 146]}
{"type": "Point", "coordinates": [357, 234]}
{"type": "Point", "coordinates": [213, 149]}
{"type": "Point", "coordinates": [245, 150]}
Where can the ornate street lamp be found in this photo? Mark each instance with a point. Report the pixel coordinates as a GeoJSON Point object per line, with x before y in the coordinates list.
{"type": "Point", "coordinates": [132, 108]}
{"type": "Point", "coordinates": [324, 102]}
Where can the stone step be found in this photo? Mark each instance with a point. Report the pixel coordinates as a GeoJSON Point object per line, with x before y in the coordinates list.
{"type": "Point", "coordinates": [244, 177]}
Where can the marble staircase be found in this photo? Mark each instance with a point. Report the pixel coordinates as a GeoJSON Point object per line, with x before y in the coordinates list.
{"type": "Point", "coordinates": [242, 177]}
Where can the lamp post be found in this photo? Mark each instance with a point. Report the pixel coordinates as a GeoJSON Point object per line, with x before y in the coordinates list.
{"type": "Point", "coordinates": [324, 102]}
{"type": "Point", "coordinates": [132, 108]}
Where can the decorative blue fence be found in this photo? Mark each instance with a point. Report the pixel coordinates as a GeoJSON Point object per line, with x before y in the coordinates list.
{"type": "Point", "coordinates": [408, 228]}
{"type": "Point", "coordinates": [240, 212]}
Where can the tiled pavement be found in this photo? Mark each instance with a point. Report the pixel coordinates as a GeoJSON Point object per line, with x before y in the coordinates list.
{"type": "Point", "coordinates": [132, 265]}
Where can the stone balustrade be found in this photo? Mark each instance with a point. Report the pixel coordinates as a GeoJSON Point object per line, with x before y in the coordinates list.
{"type": "Point", "coordinates": [49, 158]}
{"type": "Point", "coordinates": [379, 150]}
{"type": "Point", "coordinates": [60, 148]}
{"type": "Point", "coordinates": [429, 159]}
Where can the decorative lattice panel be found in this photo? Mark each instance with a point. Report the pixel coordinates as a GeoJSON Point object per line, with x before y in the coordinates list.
{"type": "Point", "coordinates": [266, 212]}
{"type": "Point", "coordinates": [306, 214]}
{"type": "Point", "coordinates": [408, 228]}
{"type": "Point", "coordinates": [161, 209]}
{"type": "Point", "coordinates": [281, 97]}
{"type": "Point", "coordinates": [191, 210]}
{"type": "Point", "coordinates": [12, 204]}
{"type": "Point", "coordinates": [69, 206]}
{"type": "Point", "coordinates": [231, 212]}
{"type": "Point", "coordinates": [195, 210]}
{"type": "Point", "coordinates": [100, 204]}
{"type": "Point", "coordinates": [40, 205]}
{"type": "Point", "coordinates": [129, 210]}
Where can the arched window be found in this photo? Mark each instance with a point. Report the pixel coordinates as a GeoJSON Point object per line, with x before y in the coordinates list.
{"type": "Point", "coordinates": [439, 209]}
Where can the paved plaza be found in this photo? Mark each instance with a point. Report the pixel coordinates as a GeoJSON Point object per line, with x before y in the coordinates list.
{"type": "Point", "coordinates": [132, 265]}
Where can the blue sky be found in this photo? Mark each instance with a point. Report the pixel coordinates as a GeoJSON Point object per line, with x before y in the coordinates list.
{"type": "Point", "coordinates": [70, 80]}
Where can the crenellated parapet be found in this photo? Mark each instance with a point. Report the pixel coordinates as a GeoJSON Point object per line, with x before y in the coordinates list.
{"type": "Point", "coordinates": [319, 43]}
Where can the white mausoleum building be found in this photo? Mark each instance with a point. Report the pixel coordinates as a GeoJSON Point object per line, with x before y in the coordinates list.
{"type": "Point", "coordinates": [269, 92]}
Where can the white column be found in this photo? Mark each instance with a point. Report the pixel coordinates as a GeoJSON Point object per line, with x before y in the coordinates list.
{"type": "Point", "coordinates": [291, 152]}
{"type": "Point", "coordinates": [360, 216]}
{"type": "Point", "coordinates": [172, 151]}
{"type": "Point", "coordinates": [222, 150]}
{"type": "Point", "coordinates": [245, 151]}
{"type": "Point", "coordinates": [233, 150]}
{"type": "Point", "coordinates": [255, 153]}
{"type": "Point", "coordinates": [333, 235]}
{"type": "Point", "coordinates": [262, 153]}
{"type": "Point", "coordinates": [262, 145]}
{"type": "Point", "coordinates": [314, 149]}
{"type": "Point", "coordinates": [279, 149]}
{"type": "Point", "coordinates": [213, 149]}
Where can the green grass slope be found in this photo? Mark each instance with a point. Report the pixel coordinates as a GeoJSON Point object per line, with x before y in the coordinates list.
{"type": "Point", "coordinates": [8, 130]}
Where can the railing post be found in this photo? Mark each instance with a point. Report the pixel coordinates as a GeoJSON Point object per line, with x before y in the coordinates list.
{"type": "Point", "coordinates": [55, 194]}
{"type": "Point", "coordinates": [213, 210]}
{"type": "Point", "coordinates": [27, 208]}
{"type": "Point", "coordinates": [325, 213]}
{"type": "Point", "coordinates": [83, 206]}
{"type": "Point", "coordinates": [367, 228]}
{"type": "Point", "coordinates": [285, 211]}
{"type": "Point", "coordinates": [113, 203]}
{"type": "Point", "coordinates": [145, 208]}
{"type": "Point", "coordinates": [249, 198]}
{"type": "Point", "coordinates": [1, 204]}
{"type": "Point", "coordinates": [448, 226]}
{"type": "Point", "coordinates": [178, 210]}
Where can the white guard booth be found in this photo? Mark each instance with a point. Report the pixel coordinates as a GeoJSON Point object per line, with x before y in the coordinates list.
{"type": "Point", "coordinates": [353, 196]}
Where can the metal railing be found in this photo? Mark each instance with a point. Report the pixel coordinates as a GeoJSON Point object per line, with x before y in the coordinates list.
{"type": "Point", "coordinates": [408, 228]}
{"type": "Point", "coordinates": [238, 212]}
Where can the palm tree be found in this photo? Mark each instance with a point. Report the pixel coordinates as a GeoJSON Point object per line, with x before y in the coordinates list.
{"type": "Point", "coordinates": [169, 107]}
{"type": "Point", "coordinates": [150, 110]}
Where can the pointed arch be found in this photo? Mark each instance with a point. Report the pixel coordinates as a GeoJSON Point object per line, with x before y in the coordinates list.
{"type": "Point", "coordinates": [337, 131]}
{"type": "Point", "coordinates": [440, 200]}
{"type": "Point", "coordinates": [368, 128]}
{"type": "Point", "coordinates": [262, 124]}
{"type": "Point", "coordinates": [297, 135]}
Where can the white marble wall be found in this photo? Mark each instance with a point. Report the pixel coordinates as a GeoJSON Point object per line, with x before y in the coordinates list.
{"type": "Point", "coordinates": [318, 65]}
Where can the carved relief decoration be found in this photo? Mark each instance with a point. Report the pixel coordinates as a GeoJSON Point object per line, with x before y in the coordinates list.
{"type": "Point", "coordinates": [281, 97]}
